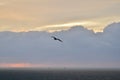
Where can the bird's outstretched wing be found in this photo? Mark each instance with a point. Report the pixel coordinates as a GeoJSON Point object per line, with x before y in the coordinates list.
{"type": "Point", "coordinates": [60, 40]}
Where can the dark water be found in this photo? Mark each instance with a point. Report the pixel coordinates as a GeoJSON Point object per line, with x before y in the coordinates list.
{"type": "Point", "coordinates": [59, 75]}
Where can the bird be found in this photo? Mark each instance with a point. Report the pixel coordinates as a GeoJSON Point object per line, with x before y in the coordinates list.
{"type": "Point", "coordinates": [56, 38]}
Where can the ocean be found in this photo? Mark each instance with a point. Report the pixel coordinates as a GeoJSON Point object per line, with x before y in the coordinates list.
{"type": "Point", "coordinates": [39, 74]}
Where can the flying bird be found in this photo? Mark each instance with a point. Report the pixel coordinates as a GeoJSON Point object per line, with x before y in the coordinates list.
{"type": "Point", "coordinates": [56, 38]}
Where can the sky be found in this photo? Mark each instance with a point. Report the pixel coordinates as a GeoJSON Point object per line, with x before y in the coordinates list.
{"type": "Point", "coordinates": [49, 15]}
{"type": "Point", "coordinates": [89, 30]}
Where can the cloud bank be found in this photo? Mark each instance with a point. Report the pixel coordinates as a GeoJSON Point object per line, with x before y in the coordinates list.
{"type": "Point", "coordinates": [80, 48]}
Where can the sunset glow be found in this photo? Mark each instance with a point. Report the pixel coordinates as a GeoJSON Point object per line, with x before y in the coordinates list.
{"type": "Point", "coordinates": [15, 65]}
{"type": "Point", "coordinates": [24, 16]}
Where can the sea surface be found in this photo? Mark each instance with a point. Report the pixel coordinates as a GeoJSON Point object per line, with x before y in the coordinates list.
{"type": "Point", "coordinates": [36, 74]}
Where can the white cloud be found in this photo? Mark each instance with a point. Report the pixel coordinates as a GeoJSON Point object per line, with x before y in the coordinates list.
{"type": "Point", "coordinates": [80, 47]}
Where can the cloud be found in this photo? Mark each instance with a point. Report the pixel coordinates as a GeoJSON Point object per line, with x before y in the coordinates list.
{"type": "Point", "coordinates": [80, 48]}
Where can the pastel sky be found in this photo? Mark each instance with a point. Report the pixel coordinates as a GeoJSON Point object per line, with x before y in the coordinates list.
{"type": "Point", "coordinates": [52, 15]}
{"type": "Point", "coordinates": [26, 26]}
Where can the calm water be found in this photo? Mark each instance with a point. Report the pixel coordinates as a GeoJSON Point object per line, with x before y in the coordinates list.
{"type": "Point", "coordinates": [59, 75]}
